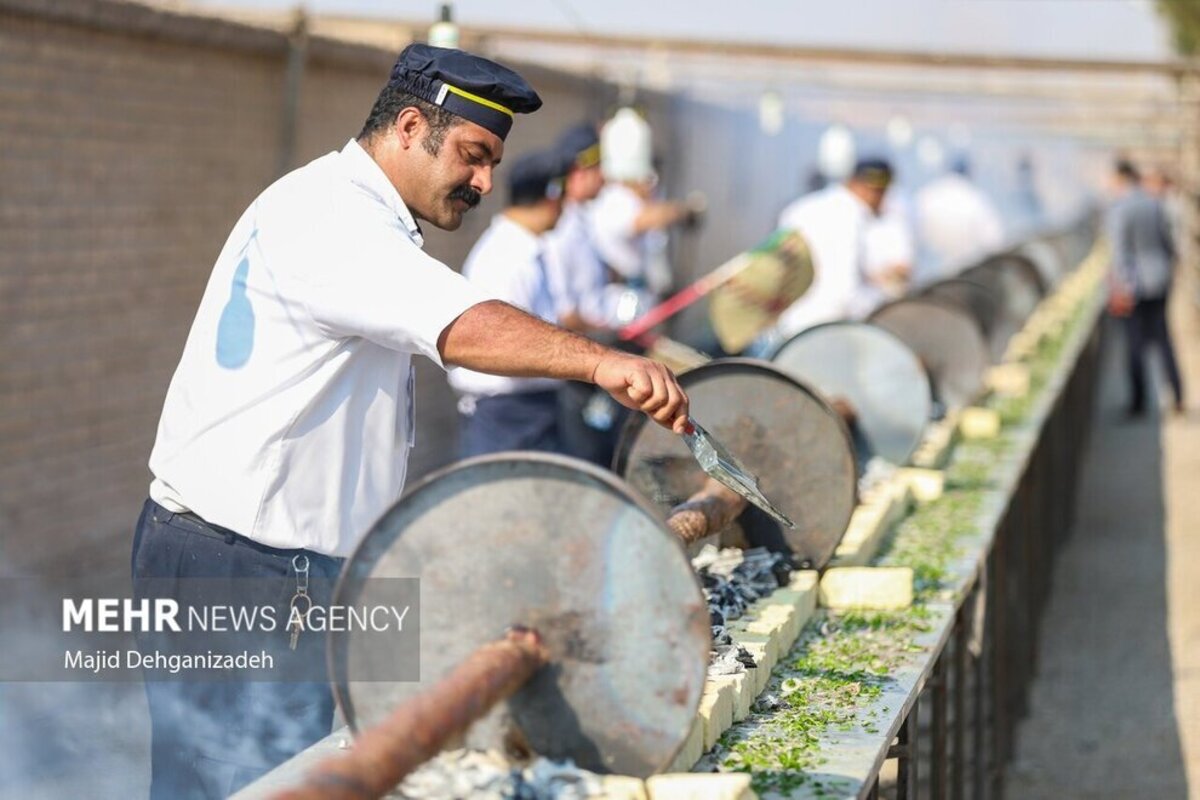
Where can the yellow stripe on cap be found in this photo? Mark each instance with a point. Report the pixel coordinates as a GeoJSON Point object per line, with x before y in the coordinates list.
{"type": "Point", "coordinates": [474, 98]}
{"type": "Point", "coordinates": [589, 157]}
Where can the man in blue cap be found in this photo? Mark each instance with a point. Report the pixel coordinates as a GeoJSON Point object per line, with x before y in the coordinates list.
{"type": "Point", "coordinates": [834, 222]}
{"type": "Point", "coordinates": [576, 268]}
{"type": "Point", "coordinates": [286, 429]}
{"type": "Point", "coordinates": [498, 412]}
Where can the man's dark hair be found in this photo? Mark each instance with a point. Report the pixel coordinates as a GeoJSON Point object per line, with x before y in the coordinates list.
{"type": "Point", "coordinates": [1128, 171]}
{"type": "Point", "coordinates": [394, 99]}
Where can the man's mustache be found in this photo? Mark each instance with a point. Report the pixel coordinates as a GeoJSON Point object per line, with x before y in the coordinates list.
{"type": "Point", "coordinates": [467, 195]}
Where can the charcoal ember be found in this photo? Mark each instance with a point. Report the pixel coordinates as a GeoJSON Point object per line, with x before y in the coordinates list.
{"type": "Point", "coordinates": [725, 661]}
{"type": "Point", "coordinates": [768, 702]}
{"type": "Point", "coordinates": [551, 780]}
{"type": "Point", "coordinates": [733, 580]}
{"type": "Point", "coordinates": [747, 660]}
{"type": "Point", "coordinates": [456, 774]}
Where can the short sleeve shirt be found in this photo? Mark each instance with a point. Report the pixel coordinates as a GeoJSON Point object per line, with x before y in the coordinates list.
{"type": "Point", "coordinates": [612, 216]}
{"type": "Point", "coordinates": [290, 416]}
{"type": "Point", "coordinates": [577, 273]}
{"type": "Point", "coordinates": [508, 262]}
{"type": "Point", "coordinates": [833, 222]}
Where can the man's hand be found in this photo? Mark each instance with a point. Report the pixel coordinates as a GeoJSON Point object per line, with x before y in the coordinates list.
{"type": "Point", "coordinates": [644, 385]}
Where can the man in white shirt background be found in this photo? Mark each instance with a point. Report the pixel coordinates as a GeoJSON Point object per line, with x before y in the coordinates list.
{"type": "Point", "coordinates": [834, 222]}
{"type": "Point", "coordinates": [957, 224]}
{"type": "Point", "coordinates": [628, 224]}
{"type": "Point", "coordinates": [287, 425]}
{"type": "Point", "coordinates": [498, 412]}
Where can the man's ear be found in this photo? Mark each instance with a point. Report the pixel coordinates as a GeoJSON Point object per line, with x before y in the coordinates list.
{"type": "Point", "coordinates": [410, 126]}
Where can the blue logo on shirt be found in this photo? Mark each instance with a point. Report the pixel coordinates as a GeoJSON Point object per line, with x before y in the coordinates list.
{"type": "Point", "coordinates": [235, 331]}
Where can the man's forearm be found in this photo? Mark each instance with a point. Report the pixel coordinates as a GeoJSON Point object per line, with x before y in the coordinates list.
{"type": "Point", "coordinates": [500, 339]}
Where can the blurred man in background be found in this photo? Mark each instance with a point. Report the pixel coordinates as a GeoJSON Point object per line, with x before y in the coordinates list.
{"type": "Point", "coordinates": [628, 224]}
{"type": "Point", "coordinates": [509, 262]}
{"type": "Point", "coordinates": [588, 420]}
{"type": "Point", "coordinates": [957, 223]}
{"type": "Point", "coordinates": [834, 222]}
{"type": "Point", "coordinates": [577, 273]}
{"type": "Point", "coordinates": [1143, 264]}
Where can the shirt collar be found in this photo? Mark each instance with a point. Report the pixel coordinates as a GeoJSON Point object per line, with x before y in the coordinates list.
{"type": "Point", "coordinates": [854, 201]}
{"type": "Point", "coordinates": [365, 172]}
{"type": "Point", "coordinates": [521, 240]}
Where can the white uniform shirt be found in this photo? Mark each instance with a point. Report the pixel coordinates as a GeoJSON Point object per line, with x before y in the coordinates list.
{"type": "Point", "coordinates": [887, 243]}
{"type": "Point", "coordinates": [290, 417]}
{"type": "Point", "coordinates": [612, 216]}
{"type": "Point", "coordinates": [833, 222]}
{"type": "Point", "coordinates": [507, 263]}
{"type": "Point", "coordinates": [956, 224]}
{"type": "Point", "coordinates": [577, 273]}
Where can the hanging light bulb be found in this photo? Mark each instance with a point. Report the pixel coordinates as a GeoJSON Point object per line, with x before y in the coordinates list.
{"type": "Point", "coordinates": [931, 154]}
{"type": "Point", "coordinates": [444, 33]}
{"type": "Point", "coordinates": [899, 132]}
{"type": "Point", "coordinates": [836, 152]}
{"type": "Point", "coordinates": [770, 113]}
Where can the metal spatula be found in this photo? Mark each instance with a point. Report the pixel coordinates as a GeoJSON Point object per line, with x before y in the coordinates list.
{"type": "Point", "coordinates": [719, 464]}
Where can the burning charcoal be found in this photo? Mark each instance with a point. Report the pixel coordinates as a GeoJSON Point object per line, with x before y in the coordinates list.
{"type": "Point", "coordinates": [768, 702]}
{"type": "Point", "coordinates": [746, 660]}
{"type": "Point", "coordinates": [725, 661]}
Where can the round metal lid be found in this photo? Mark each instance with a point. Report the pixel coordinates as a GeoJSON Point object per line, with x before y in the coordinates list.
{"type": "Point", "coordinates": [946, 339]}
{"type": "Point", "coordinates": [976, 299]}
{"type": "Point", "coordinates": [561, 546]}
{"type": "Point", "coordinates": [1016, 284]}
{"type": "Point", "coordinates": [876, 372]}
{"type": "Point", "coordinates": [780, 429]}
{"type": "Point", "coordinates": [1050, 261]}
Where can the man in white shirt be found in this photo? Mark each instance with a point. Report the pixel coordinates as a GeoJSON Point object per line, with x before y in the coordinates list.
{"type": "Point", "coordinates": [834, 222]}
{"type": "Point", "coordinates": [498, 412]}
{"type": "Point", "coordinates": [629, 226]}
{"type": "Point", "coordinates": [286, 428]}
{"type": "Point", "coordinates": [578, 275]}
{"type": "Point", "coordinates": [957, 224]}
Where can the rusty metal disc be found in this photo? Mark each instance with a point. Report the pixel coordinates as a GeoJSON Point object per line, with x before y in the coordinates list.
{"type": "Point", "coordinates": [947, 340]}
{"type": "Point", "coordinates": [878, 374]}
{"type": "Point", "coordinates": [1050, 261]}
{"type": "Point", "coordinates": [563, 547]}
{"type": "Point", "coordinates": [977, 300]}
{"type": "Point", "coordinates": [1017, 286]}
{"type": "Point", "coordinates": [783, 432]}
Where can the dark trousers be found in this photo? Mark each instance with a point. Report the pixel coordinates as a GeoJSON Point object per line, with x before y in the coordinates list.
{"type": "Point", "coordinates": [585, 434]}
{"type": "Point", "coordinates": [1145, 326]}
{"type": "Point", "coordinates": [210, 738]}
{"type": "Point", "coordinates": [522, 421]}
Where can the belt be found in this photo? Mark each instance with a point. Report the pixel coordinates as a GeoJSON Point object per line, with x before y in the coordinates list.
{"type": "Point", "coordinates": [197, 524]}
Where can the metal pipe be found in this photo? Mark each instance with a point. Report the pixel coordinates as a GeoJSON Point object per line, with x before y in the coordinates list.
{"type": "Point", "coordinates": [418, 730]}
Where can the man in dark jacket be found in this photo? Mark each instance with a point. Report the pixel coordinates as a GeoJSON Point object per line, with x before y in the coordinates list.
{"type": "Point", "coordinates": [1143, 256]}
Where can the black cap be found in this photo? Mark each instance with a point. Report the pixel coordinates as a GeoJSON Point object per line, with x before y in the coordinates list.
{"type": "Point", "coordinates": [536, 176]}
{"type": "Point", "coordinates": [875, 172]}
{"type": "Point", "coordinates": [580, 146]}
{"type": "Point", "coordinates": [474, 88]}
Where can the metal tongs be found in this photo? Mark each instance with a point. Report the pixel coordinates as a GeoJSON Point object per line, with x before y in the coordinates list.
{"type": "Point", "coordinates": [720, 465]}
